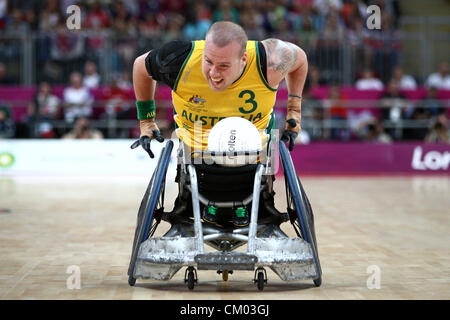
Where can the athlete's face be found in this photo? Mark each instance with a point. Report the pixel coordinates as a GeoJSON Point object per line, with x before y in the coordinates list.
{"type": "Point", "coordinates": [222, 66]}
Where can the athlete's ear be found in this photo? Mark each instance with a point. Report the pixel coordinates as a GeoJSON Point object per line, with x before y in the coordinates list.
{"type": "Point", "coordinates": [244, 59]}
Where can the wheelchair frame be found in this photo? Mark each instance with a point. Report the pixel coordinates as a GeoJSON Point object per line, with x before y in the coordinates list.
{"type": "Point", "coordinates": [159, 258]}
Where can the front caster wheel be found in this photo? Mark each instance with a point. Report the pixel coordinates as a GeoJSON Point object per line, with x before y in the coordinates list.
{"type": "Point", "coordinates": [190, 277]}
{"type": "Point", "coordinates": [260, 278]}
{"type": "Point", "coordinates": [260, 281]}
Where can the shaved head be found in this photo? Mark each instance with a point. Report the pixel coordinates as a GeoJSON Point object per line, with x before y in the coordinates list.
{"type": "Point", "coordinates": [223, 33]}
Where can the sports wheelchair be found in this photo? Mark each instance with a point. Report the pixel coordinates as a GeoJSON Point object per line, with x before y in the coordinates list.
{"type": "Point", "coordinates": [202, 184]}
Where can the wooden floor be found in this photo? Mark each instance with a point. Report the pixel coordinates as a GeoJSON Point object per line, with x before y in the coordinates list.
{"type": "Point", "coordinates": [399, 226]}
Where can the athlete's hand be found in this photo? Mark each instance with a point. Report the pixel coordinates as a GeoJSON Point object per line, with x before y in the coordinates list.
{"type": "Point", "coordinates": [290, 135]}
{"type": "Point", "coordinates": [149, 131]}
{"type": "Point", "coordinates": [293, 117]}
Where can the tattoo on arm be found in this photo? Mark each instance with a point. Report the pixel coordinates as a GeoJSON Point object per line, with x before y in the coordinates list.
{"type": "Point", "coordinates": [281, 56]}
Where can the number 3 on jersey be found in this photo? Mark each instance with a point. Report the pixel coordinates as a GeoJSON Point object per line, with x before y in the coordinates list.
{"type": "Point", "coordinates": [251, 96]}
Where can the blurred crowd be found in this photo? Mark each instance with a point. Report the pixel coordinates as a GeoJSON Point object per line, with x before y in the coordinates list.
{"type": "Point", "coordinates": [135, 26]}
{"type": "Point", "coordinates": [393, 117]}
{"type": "Point", "coordinates": [76, 58]}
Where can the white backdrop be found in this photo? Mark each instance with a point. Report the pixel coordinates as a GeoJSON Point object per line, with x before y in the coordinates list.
{"type": "Point", "coordinates": [89, 158]}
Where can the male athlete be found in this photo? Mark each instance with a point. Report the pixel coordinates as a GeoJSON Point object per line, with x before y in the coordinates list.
{"type": "Point", "coordinates": [225, 75]}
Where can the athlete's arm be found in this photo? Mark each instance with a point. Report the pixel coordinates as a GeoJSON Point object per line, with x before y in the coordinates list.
{"type": "Point", "coordinates": [287, 61]}
{"type": "Point", "coordinates": [162, 64]}
{"type": "Point", "coordinates": [144, 90]}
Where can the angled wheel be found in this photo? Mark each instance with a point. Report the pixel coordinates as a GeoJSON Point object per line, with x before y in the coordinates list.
{"type": "Point", "coordinates": [151, 208]}
{"type": "Point", "coordinates": [299, 208]}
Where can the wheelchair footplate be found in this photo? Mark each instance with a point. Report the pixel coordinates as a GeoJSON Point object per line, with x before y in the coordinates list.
{"type": "Point", "coordinates": [160, 258]}
{"type": "Point", "coordinates": [289, 258]}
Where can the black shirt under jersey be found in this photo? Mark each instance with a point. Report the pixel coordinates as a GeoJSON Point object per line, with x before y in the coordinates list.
{"type": "Point", "coordinates": [164, 64]}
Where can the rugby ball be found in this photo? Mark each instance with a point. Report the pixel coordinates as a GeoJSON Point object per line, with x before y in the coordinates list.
{"type": "Point", "coordinates": [232, 135]}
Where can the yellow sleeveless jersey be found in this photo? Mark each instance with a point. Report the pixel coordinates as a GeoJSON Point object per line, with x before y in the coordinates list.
{"type": "Point", "coordinates": [197, 108]}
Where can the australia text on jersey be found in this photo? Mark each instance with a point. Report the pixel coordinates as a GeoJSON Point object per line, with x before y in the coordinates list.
{"type": "Point", "coordinates": [210, 121]}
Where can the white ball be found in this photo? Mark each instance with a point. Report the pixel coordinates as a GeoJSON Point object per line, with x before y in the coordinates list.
{"type": "Point", "coordinates": [234, 134]}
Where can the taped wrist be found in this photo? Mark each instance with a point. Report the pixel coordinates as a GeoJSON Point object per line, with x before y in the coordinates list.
{"type": "Point", "coordinates": [146, 126]}
{"type": "Point", "coordinates": [294, 112]}
{"type": "Point", "coordinates": [146, 109]}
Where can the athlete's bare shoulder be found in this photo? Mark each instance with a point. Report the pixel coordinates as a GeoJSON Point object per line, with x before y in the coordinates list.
{"type": "Point", "coordinates": [282, 57]}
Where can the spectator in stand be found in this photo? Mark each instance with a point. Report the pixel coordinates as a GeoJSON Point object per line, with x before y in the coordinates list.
{"type": "Point", "coordinates": [45, 103]}
{"type": "Point", "coordinates": [50, 16]}
{"type": "Point", "coordinates": [369, 81]}
{"type": "Point", "coordinates": [386, 48]}
{"type": "Point", "coordinates": [440, 79]}
{"type": "Point", "coordinates": [225, 11]}
{"type": "Point", "coordinates": [66, 45]}
{"type": "Point", "coordinates": [421, 116]}
{"type": "Point", "coordinates": [4, 78]}
{"type": "Point", "coordinates": [7, 127]}
{"type": "Point", "coordinates": [149, 27]}
{"type": "Point", "coordinates": [42, 111]}
{"type": "Point", "coordinates": [116, 99]}
{"type": "Point", "coordinates": [17, 26]}
{"type": "Point", "coordinates": [195, 27]}
{"type": "Point", "coordinates": [91, 78]}
{"type": "Point", "coordinates": [173, 28]}
{"type": "Point", "coordinates": [337, 111]}
{"type": "Point", "coordinates": [357, 36]}
{"type": "Point", "coordinates": [313, 113]}
{"type": "Point", "coordinates": [118, 102]}
{"type": "Point", "coordinates": [173, 6]}
{"type": "Point", "coordinates": [123, 23]}
{"type": "Point", "coordinates": [374, 132]}
{"type": "Point", "coordinates": [315, 78]}
{"type": "Point", "coordinates": [77, 99]}
{"type": "Point", "coordinates": [393, 103]}
{"type": "Point", "coordinates": [329, 51]}
{"type": "Point", "coordinates": [284, 31]}
{"type": "Point", "coordinates": [306, 26]}
{"type": "Point", "coordinates": [204, 10]}
{"type": "Point", "coordinates": [323, 7]}
{"type": "Point", "coordinates": [124, 81]}
{"type": "Point", "coordinates": [82, 130]}
{"type": "Point", "coordinates": [404, 81]}
{"type": "Point", "coordinates": [439, 131]}
{"type": "Point", "coordinates": [431, 103]}
{"type": "Point", "coordinates": [252, 20]}
{"type": "Point", "coordinates": [97, 18]}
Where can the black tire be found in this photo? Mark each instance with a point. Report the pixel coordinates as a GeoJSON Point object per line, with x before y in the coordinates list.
{"type": "Point", "coordinates": [191, 280]}
{"type": "Point", "coordinates": [298, 202]}
{"type": "Point", "coordinates": [318, 282]}
{"type": "Point", "coordinates": [131, 281]}
{"type": "Point", "coordinates": [260, 281]}
{"type": "Point", "coordinates": [152, 202]}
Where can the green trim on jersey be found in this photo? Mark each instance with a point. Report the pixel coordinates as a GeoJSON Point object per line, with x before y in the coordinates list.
{"type": "Point", "coordinates": [260, 70]}
{"type": "Point", "coordinates": [182, 67]}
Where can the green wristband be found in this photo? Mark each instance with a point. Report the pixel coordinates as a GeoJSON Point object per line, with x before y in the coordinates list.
{"type": "Point", "coordinates": [146, 109]}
